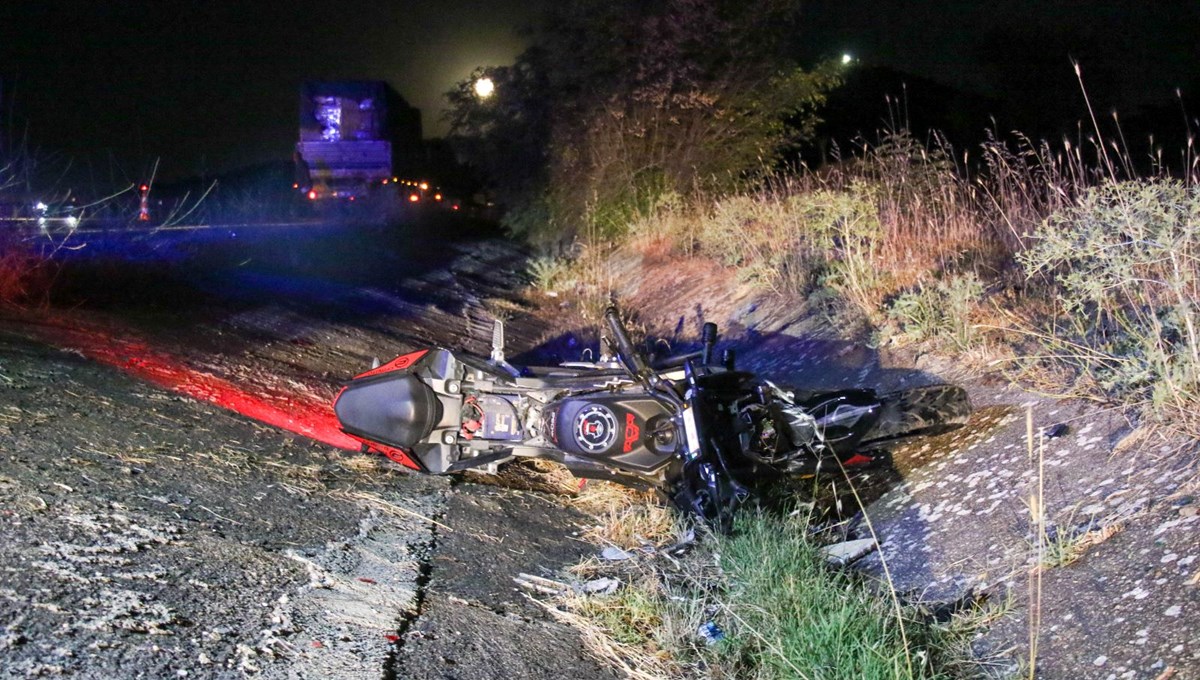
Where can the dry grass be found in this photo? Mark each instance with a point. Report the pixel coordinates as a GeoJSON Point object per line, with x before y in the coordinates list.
{"type": "Point", "coordinates": [646, 629]}
{"type": "Point", "coordinates": [629, 659]}
{"type": "Point", "coordinates": [362, 465]}
{"type": "Point", "coordinates": [626, 518]}
{"type": "Point", "coordinates": [1064, 548]}
{"type": "Point", "coordinates": [543, 476]}
{"type": "Point", "coordinates": [885, 221]}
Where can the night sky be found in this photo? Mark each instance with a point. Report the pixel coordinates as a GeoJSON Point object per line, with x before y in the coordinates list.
{"type": "Point", "coordinates": [211, 86]}
{"type": "Point", "coordinates": [1140, 49]}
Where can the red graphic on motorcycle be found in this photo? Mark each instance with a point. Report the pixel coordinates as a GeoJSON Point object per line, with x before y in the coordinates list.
{"type": "Point", "coordinates": [632, 433]}
{"type": "Point", "coordinates": [397, 364]}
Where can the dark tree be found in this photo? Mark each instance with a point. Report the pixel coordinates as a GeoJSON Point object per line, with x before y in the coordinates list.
{"type": "Point", "coordinates": [620, 103]}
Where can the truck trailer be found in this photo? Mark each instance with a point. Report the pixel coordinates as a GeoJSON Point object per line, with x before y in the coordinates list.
{"type": "Point", "coordinates": [354, 135]}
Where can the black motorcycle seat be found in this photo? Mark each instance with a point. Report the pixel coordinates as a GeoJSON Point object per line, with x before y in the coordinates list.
{"type": "Point", "coordinates": [396, 409]}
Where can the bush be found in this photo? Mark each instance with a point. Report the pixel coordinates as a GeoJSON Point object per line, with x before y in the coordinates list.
{"type": "Point", "coordinates": [534, 221]}
{"type": "Point", "coordinates": [791, 242]}
{"type": "Point", "coordinates": [941, 310]}
{"type": "Point", "coordinates": [1122, 264]}
{"type": "Point", "coordinates": [846, 223]}
{"type": "Point", "coordinates": [23, 271]}
{"type": "Point", "coordinates": [553, 274]}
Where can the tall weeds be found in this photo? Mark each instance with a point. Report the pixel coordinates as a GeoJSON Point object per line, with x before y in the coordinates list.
{"type": "Point", "coordinates": [892, 217]}
{"type": "Point", "coordinates": [1124, 266]}
{"type": "Point", "coordinates": [1093, 269]}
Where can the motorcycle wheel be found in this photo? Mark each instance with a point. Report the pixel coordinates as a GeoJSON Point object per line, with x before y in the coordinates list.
{"type": "Point", "coordinates": [919, 411]}
{"type": "Point", "coordinates": [708, 496]}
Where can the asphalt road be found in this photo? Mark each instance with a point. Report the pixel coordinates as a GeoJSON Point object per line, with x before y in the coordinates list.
{"type": "Point", "coordinates": [152, 534]}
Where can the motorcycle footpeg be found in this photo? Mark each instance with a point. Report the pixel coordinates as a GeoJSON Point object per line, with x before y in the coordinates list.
{"type": "Point", "coordinates": [498, 341]}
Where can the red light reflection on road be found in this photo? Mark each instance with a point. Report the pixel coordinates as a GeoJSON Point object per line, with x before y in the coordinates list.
{"type": "Point", "coordinates": [296, 413]}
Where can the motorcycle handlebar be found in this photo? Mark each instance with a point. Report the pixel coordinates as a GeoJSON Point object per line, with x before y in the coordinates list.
{"type": "Point", "coordinates": [629, 356]}
{"type": "Point", "coordinates": [709, 338]}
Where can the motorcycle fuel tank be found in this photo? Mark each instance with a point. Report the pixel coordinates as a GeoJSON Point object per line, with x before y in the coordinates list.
{"type": "Point", "coordinates": [632, 433]}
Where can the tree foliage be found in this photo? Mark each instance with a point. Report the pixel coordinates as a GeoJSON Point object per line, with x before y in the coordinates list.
{"type": "Point", "coordinates": [618, 103]}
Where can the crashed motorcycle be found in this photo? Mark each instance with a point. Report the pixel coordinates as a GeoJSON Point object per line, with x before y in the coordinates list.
{"type": "Point", "coordinates": [693, 426]}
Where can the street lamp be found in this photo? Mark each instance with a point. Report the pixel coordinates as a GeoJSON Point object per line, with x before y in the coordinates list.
{"type": "Point", "coordinates": [484, 87]}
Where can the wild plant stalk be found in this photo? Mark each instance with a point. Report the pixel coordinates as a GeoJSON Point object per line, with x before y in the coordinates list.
{"type": "Point", "coordinates": [1108, 164]}
{"type": "Point", "coordinates": [1038, 516]}
{"type": "Point", "coordinates": [887, 573]}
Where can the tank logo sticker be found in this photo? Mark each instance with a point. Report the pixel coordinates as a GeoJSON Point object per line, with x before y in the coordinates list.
{"type": "Point", "coordinates": [595, 429]}
{"type": "Point", "coordinates": [632, 432]}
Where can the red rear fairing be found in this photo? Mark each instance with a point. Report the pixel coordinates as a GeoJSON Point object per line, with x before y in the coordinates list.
{"type": "Point", "coordinates": [397, 364]}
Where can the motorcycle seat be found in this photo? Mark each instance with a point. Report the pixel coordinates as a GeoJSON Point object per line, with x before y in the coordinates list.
{"type": "Point", "coordinates": [396, 409]}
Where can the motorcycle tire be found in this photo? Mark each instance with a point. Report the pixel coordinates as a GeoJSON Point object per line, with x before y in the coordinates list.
{"type": "Point", "coordinates": [920, 411]}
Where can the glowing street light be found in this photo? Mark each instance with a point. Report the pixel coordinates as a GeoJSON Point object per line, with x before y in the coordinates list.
{"type": "Point", "coordinates": [484, 87]}
{"type": "Point", "coordinates": [846, 59]}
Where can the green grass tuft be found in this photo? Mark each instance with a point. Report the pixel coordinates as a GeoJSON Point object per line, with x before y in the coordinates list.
{"type": "Point", "coordinates": [790, 615]}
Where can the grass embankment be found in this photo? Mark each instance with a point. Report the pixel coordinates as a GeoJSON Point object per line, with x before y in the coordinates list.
{"type": "Point", "coordinates": [1044, 263]}
{"type": "Point", "coordinates": [1070, 273]}
{"type": "Point", "coordinates": [782, 611]}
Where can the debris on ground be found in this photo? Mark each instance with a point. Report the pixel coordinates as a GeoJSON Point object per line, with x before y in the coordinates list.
{"type": "Point", "coordinates": [841, 554]}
